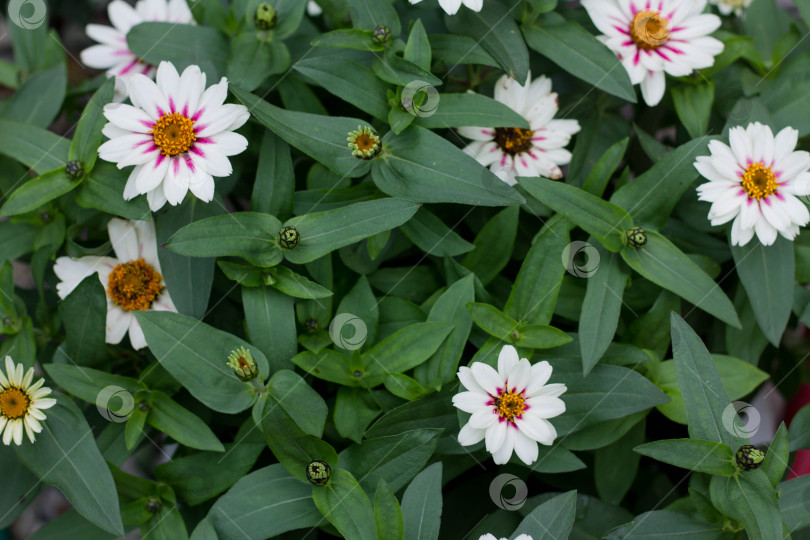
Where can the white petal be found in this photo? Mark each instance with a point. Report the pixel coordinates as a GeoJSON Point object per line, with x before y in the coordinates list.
{"type": "Point", "coordinates": [519, 376]}
{"type": "Point", "coordinates": [118, 322]}
{"type": "Point", "coordinates": [785, 142]}
{"type": "Point", "coordinates": [145, 94]}
{"type": "Point", "coordinates": [100, 56]}
{"type": "Point", "coordinates": [470, 401]}
{"type": "Point", "coordinates": [487, 377]}
{"type": "Point", "coordinates": [483, 418]}
{"type": "Point", "coordinates": [507, 359]}
{"type": "Point", "coordinates": [476, 133]}
{"type": "Point", "coordinates": [469, 435]}
{"type": "Point", "coordinates": [167, 78]}
{"type": "Point", "coordinates": [765, 232]}
{"type": "Point", "coordinates": [156, 199]}
{"type": "Point", "coordinates": [202, 186]}
{"type": "Point", "coordinates": [124, 239]}
{"type": "Point", "coordinates": [136, 337]}
{"type": "Point", "coordinates": [545, 406]}
{"type": "Point", "coordinates": [150, 175]}
{"type": "Point", "coordinates": [226, 118]}
{"type": "Point", "coordinates": [537, 429]}
{"type": "Point", "coordinates": [501, 455]}
{"type": "Point", "coordinates": [525, 448]}
{"type": "Point", "coordinates": [653, 87]}
{"type": "Point", "coordinates": [792, 165]}
{"type": "Point", "coordinates": [175, 186]}
{"type": "Point", "coordinates": [122, 15]}
{"type": "Point", "coordinates": [540, 374]}
{"type": "Point", "coordinates": [128, 117]}
{"type": "Point", "coordinates": [740, 144]}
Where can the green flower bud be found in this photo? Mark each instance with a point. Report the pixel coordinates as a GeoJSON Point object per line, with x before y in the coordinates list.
{"type": "Point", "coordinates": [74, 169]}
{"type": "Point", "coordinates": [749, 458]}
{"type": "Point", "coordinates": [380, 35]}
{"type": "Point", "coordinates": [266, 17]}
{"type": "Point", "coordinates": [319, 472]}
{"type": "Point", "coordinates": [289, 237]}
{"type": "Point", "coordinates": [635, 237]}
{"type": "Point", "coordinates": [311, 325]}
{"type": "Point", "coordinates": [153, 505]}
{"type": "Point", "coordinates": [243, 364]}
{"type": "Point", "coordinates": [364, 142]}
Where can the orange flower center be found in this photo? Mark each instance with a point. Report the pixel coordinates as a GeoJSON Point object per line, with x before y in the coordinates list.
{"type": "Point", "coordinates": [173, 134]}
{"type": "Point", "coordinates": [134, 285]}
{"type": "Point", "coordinates": [13, 403]}
{"type": "Point", "coordinates": [364, 142]}
{"type": "Point", "coordinates": [759, 181]}
{"type": "Point", "coordinates": [510, 405]}
{"type": "Point", "coordinates": [514, 141]}
{"type": "Point", "coordinates": [649, 30]}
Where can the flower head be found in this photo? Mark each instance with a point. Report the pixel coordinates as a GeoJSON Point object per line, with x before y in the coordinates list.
{"type": "Point", "coordinates": [177, 134]}
{"type": "Point", "coordinates": [131, 279]}
{"type": "Point", "coordinates": [265, 17]}
{"type": "Point", "coordinates": [288, 237]}
{"type": "Point", "coordinates": [510, 407]}
{"type": "Point", "coordinates": [364, 142]}
{"type": "Point", "coordinates": [538, 151]}
{"type": "Point", "coordinates": [654, 38]}
{"type": "Point", "coordinates": [319, 472]}
{"type": "Point", "coordinates": [726, 7]}
{"type": "Point", "coordinates": [243, 364]}
{"type": "Point", "coordinates": [113, 54]}
{"type": "Point", "coordinates": [74, 169]}
{"type": "Point", "coordinates": [749, 458]}
{"type": "Point", "coordinates": [756, 182]}
{"type": "Point", "coordinates": [21, 403]}
{"type": "Point", "coordinates": [635, 237]}
{"type": "Point", "coordinates": [452, 6]}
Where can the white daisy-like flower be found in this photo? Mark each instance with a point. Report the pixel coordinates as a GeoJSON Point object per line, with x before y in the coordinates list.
{"type": "Point", "coordinates": [538, 151]}
{"type": "Point", "coordinates": [21, 403]}
{"type": "Point", "coordinates": [131, 279]}
{"type": "Point", "coordinates": [452, 6]}
{"type": "Point", "coordinates": [654, 37]}
{"type": "Point", "coordinates": [113, 54]}
{"type": "Point", "coordinates": [510, 407]}
{"type": "Point", "coordinates": [726, 7]}
{"type": "Point", "coordinates": [176, 133]}
{"type": "Point", "coordinates": [755, 182]}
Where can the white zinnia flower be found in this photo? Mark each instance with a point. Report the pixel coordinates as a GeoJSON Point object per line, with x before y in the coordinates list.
{"type": "Point", "coordinates": [21, 403]}
{"type": "Point", "coordinates": [727, 6]}
{"type": "Point", "coordinates": [178, 135]}
{"type": "Point", "coordinates": [756, 182]}
{"type": "Point", "coordinates": [537, 151]}
{"type": "Point", "coordinates": [490, 536]}
{"type": "Point", "coordinates": [132, 279]}
{"type": "Point", "coordinates": [452, 6]}
{"type": "Point", "coordinates": [510, 407]}
{"type": "Point", "coordinates": [653, 38]}
{"type": "Point", "coordinates": [113, 54]}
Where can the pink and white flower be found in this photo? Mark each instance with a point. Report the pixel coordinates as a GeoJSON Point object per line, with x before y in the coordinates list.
{"type": "Point", "coordinates": [176, 133]}
{"type": "Point", "coordinates": [451, 7]}
{"type": "Point", "coordinates": [727, 7]}
{"type": "Point", "coordinates": [510, 407]}
{"type": "Point", "coordinates": [654, 37]}
{"type": "Point", "coordinates": [538, 151]}
{"type": "Point", "coordinates": [756, 182]}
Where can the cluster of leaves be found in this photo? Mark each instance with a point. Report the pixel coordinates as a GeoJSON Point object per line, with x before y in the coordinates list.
{"type": "Point", "coordinates": [443, 264]}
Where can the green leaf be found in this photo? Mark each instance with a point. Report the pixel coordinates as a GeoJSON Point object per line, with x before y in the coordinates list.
{"type": "Point", "coordinates": [600, 175]}
{"type": "Point", "coordinates": [329, 365]}
{"type": "Point", "coordinates": [369, 14]}
{"type": "Point", "coordinates": [417, 50]}
{"type": "Point", "coordinates": [304, 405]}
{"type": "Point", "coordinates": [295, 285]}
{"type": "Point", "coordinates": [20, 487]}
{"type": "Point", "coordinates": [777, 457]}
{"type": "Point", "coordinates": [667, 523]}
{"type": "Point", "coordinates": [601, 309]}
{"type": "Point", "coordinates": [195, 354]}
{"type": "Point", "coordinates": [749, 498]}
{"type": "Point", "coordinates": [181, 424]}
{"type": "Point", "coordinates": [89, 384]}
{"type": "Point", "coordinates": [432, 236]}
{"type": "Point", "coordinates": [39, 99]}
{"type": "Point", "coordinates": [422, 504]}
{"type": "Point", "coordinates": [404, 350]}
{"type": "Point", "coordinates": [346, 506]}
{"type": "Point", "coordinates": [604, 221]}
{"type": "Point", "coordinates": [433, 411]}
{"type": "Point", "coordinates": [551, 520]}
{"type": "Point", "coordinates": [38, 191]}
{"type": "Point", "coordinates": [16, 239]}
{"type": "Point", "coordinates": [616, 465]}
{"type": "Point", "coordinates": [66, 456]}
{"type": "Point", "coordinates": [361, 302]}
{"type": "Point", "coordinates": [268, 308]}
{"type": "Point", "coordinates": [393, 458]}
{"type": "Point", "coordinates": [494, 245]}
{"type": "Point", "coordinates": [265, 503]}
{"type": "Point", "coordinates": [354, 410]}
{"type": "Point", "coordinates": [253, 60]}
{"type": "Point", "coordinates": [403, 386]}
{"type": "Point", "coordinates": [420, 165]}
{"type": "Point", "coordinates": [693, 103]}
{"type": "Point", "coordinates": [166, 524]}
{"type": "Point", "coordinates": [275, 182]}
{"type": "Point", "coordinates": [767, 275]}
{"type": "Point", "coordinates": [84, 313]}
{"type": "Point", "coordinates": [323, 232]}
{"type": "Point", "coordinates": [348, 80]}
{"type": "Point", "coordinates": [103, 189]}
{"type": "Point", "coordinates": [703, 393]}
{"type": "Point", "coordinates": [322, 138]}
{"type": "Point", "coordinates": [249, 235]}
{"type": "Point", "coordinates": [181, 44]}
{"type": "Point", "coordinates": [800, 430]}
{"type": "Point", "coordinates": [554, 459]}
{"type": "Point", "coordinates": [393, 69]}
{"type": "Point", "coordinates": [454, 110]}
{"type": "Point", "coordinates": [34, 147]}
{"type": "Point", "coordinates": [577, 51]}
{"type": "Point", "coordinates": [794, 502]}
{"type": "Point", "coordinates": [348, 38]}
{"type": "Point", "coordinates": [87, 137]}
{"type": "Point", "coordinates": [70, 524]}
{"type": "Point", "coordinates": [667, 266]}
{"type": "Point", "coordinates": [387, 514]}
{"type": "Point", "coordinates": [702, 456]}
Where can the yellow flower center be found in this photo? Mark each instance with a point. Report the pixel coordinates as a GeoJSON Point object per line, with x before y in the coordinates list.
{"type": "Point", "coordinates": [134, 285]}
{"type": "Point", "coordinates": [649, 30]}
{"type": "Point", "coordinates": [365, 142]}
{"type": "Point", "coordinates": [759, 181]}
{"type": "Point", "coordinates": [13, 403]}
{"type": "Point", "coordinates": [510, 405]}
{"type": "Point", "coordinates": [514, 141]}
{"type": "Point", "coordinates": [173, 134]}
